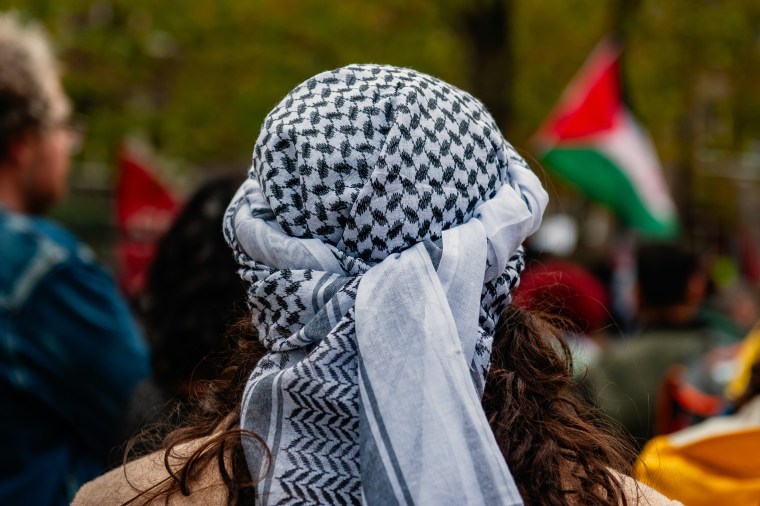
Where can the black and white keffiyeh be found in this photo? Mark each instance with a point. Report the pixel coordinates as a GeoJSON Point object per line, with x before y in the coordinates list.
{"type": "Point", "coordinates": [380, 231]}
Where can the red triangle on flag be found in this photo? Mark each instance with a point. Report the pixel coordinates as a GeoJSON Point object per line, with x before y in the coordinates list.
{"type": "Point", "coordinates": [138, 189]}
{"type": "Point", "coordinates": [591, 104]}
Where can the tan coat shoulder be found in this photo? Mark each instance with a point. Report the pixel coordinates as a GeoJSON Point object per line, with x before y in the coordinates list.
{"type": "Point", "coordinates": [638, 493]}
{"type": "Point", "coordinates": [126, 482]}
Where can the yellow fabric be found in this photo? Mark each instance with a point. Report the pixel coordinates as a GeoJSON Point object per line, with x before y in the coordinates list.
{"type": "Point", "coordinates": [721, 469]}
{"type": "Point", "coordinates": [748, 354]}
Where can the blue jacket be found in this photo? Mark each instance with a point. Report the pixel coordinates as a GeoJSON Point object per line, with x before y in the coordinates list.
{"type": "Point", "coordinates": [70, 355]}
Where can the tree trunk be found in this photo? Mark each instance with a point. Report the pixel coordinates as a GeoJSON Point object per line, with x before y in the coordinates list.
{"type": "Point", "coordinates": [485, 29]}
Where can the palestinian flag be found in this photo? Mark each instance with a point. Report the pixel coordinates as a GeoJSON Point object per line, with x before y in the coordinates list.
{"type": "Point", "coordinates": [592, 140]}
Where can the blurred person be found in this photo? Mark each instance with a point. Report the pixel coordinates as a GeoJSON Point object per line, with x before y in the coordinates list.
{"type": "Point", "coordinates": [192, 291]}
{"type": "Point", "coordinates": [380, 233]}
{"type": "Point", "coordinates": [732, 311]}
{"type": "Point", "coordinates": [191, 296]}
{"type": "Point", "coordinates": [714, 461]}
{"type": "Point", "coordinates": [626, 381]}
{"type": "Point", "coordinates": [696, 390]}
{"type": "Point", "coordinates": [70, 352]}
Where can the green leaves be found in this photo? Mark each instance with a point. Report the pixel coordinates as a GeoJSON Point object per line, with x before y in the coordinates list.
{"type": "Point", "coordinates": [196, 78]}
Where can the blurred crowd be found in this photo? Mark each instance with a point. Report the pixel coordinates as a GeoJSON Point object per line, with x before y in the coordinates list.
{"type": "Point", "coordinates": [680, 380]}
{"type": "Point", "coordinates": [85, 370]}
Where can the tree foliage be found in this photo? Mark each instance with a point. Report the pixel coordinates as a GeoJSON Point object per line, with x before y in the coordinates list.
{"type": "Point", "coordinates": [196, 77]}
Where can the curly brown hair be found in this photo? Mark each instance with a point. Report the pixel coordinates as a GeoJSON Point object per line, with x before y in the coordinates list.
{"type": "Point", "coordinates": [556, 446]}
{"type": "Point", "coordinates": [560, 450]}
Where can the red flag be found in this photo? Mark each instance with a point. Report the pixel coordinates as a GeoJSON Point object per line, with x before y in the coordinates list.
{"type": "Point", "coordinates": [145, 208]}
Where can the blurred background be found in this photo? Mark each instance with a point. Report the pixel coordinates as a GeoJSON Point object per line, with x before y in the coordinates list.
{"type": "Point", "coordinates": [179, 90]}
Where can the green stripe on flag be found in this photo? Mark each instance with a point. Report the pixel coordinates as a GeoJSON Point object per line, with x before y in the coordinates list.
{"type": "Point", "coordinates": [602, 181]}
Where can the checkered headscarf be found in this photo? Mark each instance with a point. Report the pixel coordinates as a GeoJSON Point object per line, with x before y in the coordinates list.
{"type": "Point", "coordinates": [380, 231]}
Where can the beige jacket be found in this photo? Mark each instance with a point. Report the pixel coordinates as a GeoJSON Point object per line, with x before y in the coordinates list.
{"type": "Point", "coordinates": [124, 483]}
{"type": "Point", "coordinates": [121, 484]}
